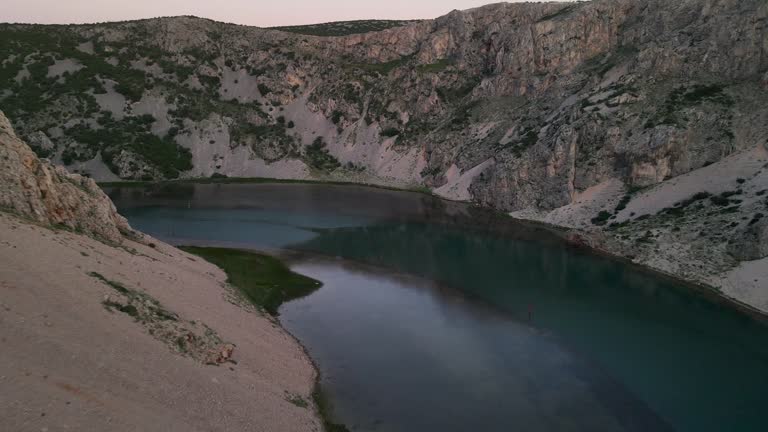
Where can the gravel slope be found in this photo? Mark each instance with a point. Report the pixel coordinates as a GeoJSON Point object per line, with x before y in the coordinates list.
{"type": "Point", "coordinates": [70, 363]}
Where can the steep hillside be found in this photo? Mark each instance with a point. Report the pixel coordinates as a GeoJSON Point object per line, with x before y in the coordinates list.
{"type": "Point", "coordinates": [103, 328]}
{"type": "Point", "coordinates": [49, 195]}
{"type": "Point", "coordinates": [512, 105]}
{"type": "Point", "coordinates": [531, 108]}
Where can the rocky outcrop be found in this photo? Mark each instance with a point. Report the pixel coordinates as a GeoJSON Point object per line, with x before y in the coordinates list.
{"type": "Point", "coordinates": [47, 194]}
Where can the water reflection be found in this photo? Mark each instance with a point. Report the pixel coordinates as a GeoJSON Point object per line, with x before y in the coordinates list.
{"type": "Point", "coordinates": [402, 353]}
{"type": "Point", "coordinates": [514, 325]}
{"type": "Point", "coordinates": [669, 346]}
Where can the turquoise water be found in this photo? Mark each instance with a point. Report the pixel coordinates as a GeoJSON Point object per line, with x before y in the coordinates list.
{"type": "Point", "coordinates": [439, 316]}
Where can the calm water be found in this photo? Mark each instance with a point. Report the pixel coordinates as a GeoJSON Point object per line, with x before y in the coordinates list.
{"type": "Point", "coordinates": [436, 316]}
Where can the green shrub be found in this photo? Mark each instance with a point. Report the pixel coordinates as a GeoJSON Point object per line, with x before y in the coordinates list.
{"type": "Point", "coordinates": [169, 157]}
{"type": "Point", "coordinates": [695, 197]}
{"type": "Point", "coordinates": [390, 132]}
{"type": "Point", "coordinates": [623, 203]}
{"type": "Point", "coordinates": [684, 97]}
{"type": "Point", "coordinates": [212, 83]}
{"type": "Point", "coordinates": [436, 67]}
{"type": "Point", "coordinates": [317, 156]}
{"type": "Point", "coordinates": [263, 89]}
{"type": "Point", "coordinates": [601, 218]}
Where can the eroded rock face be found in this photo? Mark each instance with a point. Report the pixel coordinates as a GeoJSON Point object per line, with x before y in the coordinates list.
{"type": "Point", "coordinates": [33, 188]}
{"type": "Point", "coordinates": [560, 97]}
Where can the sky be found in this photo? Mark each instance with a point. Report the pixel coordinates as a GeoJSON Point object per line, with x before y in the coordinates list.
{"type": "Point", "coordinates": [263, 13]}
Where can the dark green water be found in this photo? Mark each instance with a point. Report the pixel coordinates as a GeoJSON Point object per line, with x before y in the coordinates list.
{"type": "Point", "coordinates": [436, 316]}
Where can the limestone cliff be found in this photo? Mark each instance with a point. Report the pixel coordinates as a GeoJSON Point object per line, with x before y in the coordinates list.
{"type": "Point", "coordinates": [514, 106]}
{"type": "Point", "coordinates": [36, 190]}
{"type": "Point", "coordinates": [643, 123]}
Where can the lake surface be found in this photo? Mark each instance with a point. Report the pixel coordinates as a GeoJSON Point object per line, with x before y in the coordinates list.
{"type": "Point", "coordinates": [437, 316]}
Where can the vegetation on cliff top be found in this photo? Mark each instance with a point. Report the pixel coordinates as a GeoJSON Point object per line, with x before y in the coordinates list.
{"type": "Point", "coordinates": [55, 79]}
{"type": "Point", "coordinates": [344, 28]}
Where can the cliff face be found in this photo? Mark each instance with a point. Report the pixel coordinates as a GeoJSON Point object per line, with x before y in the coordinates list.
{"type": "Point", "coordinates": [584, 115]}
{"type": "Point", "coordinates": [512, 105]}
{"type": "Point", "coordinates": [49, 195]}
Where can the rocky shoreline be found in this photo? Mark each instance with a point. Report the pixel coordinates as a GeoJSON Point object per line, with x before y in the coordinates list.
{"type": "Point", "coordinates": [705, 227]}
{"type": "Point", "coordinates": [596, 244]}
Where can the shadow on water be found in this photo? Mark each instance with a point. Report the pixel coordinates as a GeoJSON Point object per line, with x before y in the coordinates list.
{"type": "Point", "coordinates": [496, 325]}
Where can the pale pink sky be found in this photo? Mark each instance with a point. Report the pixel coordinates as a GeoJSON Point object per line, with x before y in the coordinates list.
{"type": "Point", "coordinates": [263, 13]}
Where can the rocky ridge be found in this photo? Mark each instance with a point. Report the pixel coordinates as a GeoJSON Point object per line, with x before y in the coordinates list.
{"type": "Point", "coordinates": [34, 189]}
{"type": "Point", "coordinates": [584, 115]}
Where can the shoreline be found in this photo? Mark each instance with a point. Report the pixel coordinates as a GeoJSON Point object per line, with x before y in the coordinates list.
{"type": "Point", "coordinates": [575, 241]}
{"type": "Point", "coordinates": [710, 292]}
{"type": "Point", "coordinates": [291, 286]}
{"type": "Point", "coordinates": [265, 180]}
{"type": "Point", "coordinates": [94, 281]}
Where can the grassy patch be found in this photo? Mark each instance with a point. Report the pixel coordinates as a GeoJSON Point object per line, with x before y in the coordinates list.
{"type": "Point", "coordinates": [264, 280]}
{"type": "Point", "coordinates": [325, 409]}
{"type": "Point", "coordinates": [117, 286]}
{"type": "Point", "coordinates": [189, 338]}
{"type": "Point", "coordinates": [149, 309]}
{"type": "Point", "coordinates": [297, 400]}
{"type": "Point", "coordinates": [436, 67]}
{"type": "Point", "coordinates": [126, 309]}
